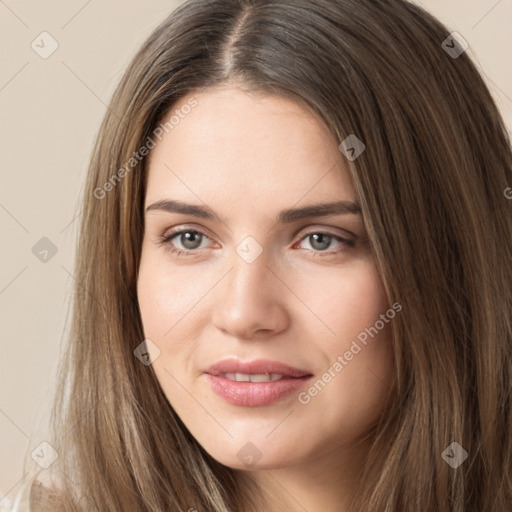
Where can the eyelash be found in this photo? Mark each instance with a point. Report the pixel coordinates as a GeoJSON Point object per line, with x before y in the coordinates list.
{"type": "Point", "coordinates": [166, 241]}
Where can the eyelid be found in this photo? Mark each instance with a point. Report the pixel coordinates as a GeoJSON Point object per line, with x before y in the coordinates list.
{"type": "Point", "coordinates": [185, 227]}
{"type": "Point", "coordinates": [332, 231]}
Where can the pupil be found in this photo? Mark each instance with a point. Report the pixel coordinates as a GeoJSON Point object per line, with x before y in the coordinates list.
{"type": "Point", "coordinates": [189, 239]}
{"type": "Point", "coordinates": [322, 239]}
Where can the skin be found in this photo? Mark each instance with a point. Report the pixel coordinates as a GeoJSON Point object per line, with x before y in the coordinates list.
{"type": "Point", "coordinates": [302, 302]}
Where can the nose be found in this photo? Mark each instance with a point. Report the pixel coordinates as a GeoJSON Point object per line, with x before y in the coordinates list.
{"type": "Point", "coordinates": [251, 300]}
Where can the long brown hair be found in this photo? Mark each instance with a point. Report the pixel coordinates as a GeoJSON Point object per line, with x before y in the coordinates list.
{"type": "Point", "coordinates": [431, 185]}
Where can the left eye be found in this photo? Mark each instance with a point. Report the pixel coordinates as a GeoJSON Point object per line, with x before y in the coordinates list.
{"type": "Point", "coordinates": [319, 241]}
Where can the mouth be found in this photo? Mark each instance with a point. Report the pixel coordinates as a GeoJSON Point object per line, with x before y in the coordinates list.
{"type": "Point", "coordinates": [256, 377]}
{"type": "Point", "coordinates": [254, 383]}
{"type": "Point", "coordinates": [257, 367]}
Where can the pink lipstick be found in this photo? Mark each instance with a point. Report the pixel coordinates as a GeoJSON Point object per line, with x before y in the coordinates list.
{"type": "Point", "coordinates": [254, 383]}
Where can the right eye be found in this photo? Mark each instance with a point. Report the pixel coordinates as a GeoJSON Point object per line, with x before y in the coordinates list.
{"type": "Point", "coordinates": [190, 241]}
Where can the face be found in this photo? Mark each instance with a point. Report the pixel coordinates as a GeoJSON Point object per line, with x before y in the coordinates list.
{"type": "Point", "coordinates": [234, 280]}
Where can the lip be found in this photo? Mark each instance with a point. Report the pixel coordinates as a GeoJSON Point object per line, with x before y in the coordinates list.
{"type": "Point", "coordinates": [255, 394]}
{"type": "Point", "coordinates": [233, 365]}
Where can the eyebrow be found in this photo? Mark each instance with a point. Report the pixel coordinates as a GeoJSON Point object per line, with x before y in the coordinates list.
{"type": "Point", "coordinates": [285, 216]}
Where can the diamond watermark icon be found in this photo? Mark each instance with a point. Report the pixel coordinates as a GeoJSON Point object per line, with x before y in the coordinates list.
{"type": "Point", "coordinates": [454, 455]}
{"type": "Point", "coordinates": [44, 250]}
{"type": "Point", "coordinates": [147, 352]}
{"type": "Point", "coordinates": [455, 45]}
{"type": "Point", "coordinates": [44, 45]}
{"type": "Point", "coordinates": [249, 454]}
{"type": "Point", "coordinates": [249, 249]}
{"type": "Point", "coordinates": [44, 455]}
{"type": "Point", "coordinates": [352, 147]}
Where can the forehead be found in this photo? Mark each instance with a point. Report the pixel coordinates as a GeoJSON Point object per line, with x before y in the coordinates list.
{"type": "Point", "coordinates": [255, 147]}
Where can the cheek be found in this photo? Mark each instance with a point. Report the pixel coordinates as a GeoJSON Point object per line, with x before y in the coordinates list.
{"type": "Point", "coordinates": [364, 328]}
{"type": "Point", "coordinates": [165, 297]}
{"type": "Point", "coordinates": [346, 301]}
{"type": "Point", "coordinates": [161, 313]}
{"type": "Point", "coordinates": [359, 357]}
{"type": "Point", "coordinates": [163, 303]}
{"type": "Point", "coordinates": [173, 314]}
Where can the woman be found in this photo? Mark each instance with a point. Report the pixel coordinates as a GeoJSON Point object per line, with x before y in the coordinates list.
{"type": "Point", "coordinates": [293, 285]}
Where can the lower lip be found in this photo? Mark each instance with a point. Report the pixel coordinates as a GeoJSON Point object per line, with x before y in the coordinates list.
{"type": "Point", "coordinates": [254, 394]}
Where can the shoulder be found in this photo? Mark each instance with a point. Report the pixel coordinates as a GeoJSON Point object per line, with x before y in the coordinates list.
{"type": "Point", "coordinates": [45, 490]}
{"type": "Point", "coordinates": [20, 501]}
{"type": "Point", "coordinates": [38, 492]}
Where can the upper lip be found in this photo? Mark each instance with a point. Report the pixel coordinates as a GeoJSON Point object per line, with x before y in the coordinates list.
{"type": "Point", "coordinates": [256, 366]}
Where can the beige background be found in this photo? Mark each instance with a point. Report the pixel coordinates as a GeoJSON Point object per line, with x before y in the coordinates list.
{"type": "Point", "coordinates": [50, 110]}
